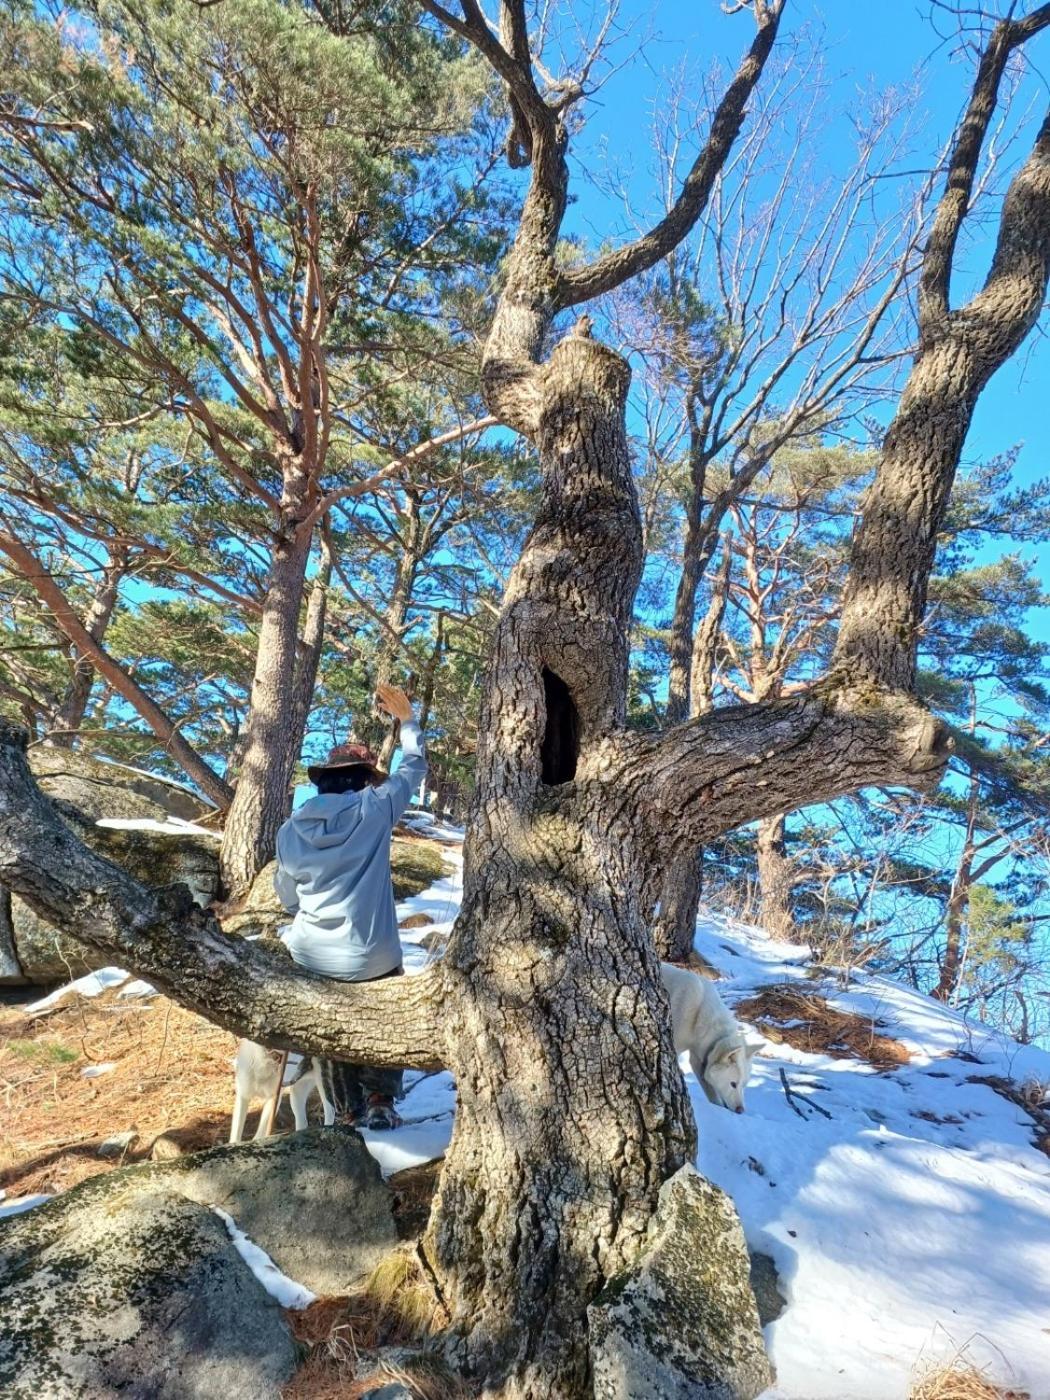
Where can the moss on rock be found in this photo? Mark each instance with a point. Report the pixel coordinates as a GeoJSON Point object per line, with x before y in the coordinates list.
{"type": "Point", "coordinates": [682, 1324]}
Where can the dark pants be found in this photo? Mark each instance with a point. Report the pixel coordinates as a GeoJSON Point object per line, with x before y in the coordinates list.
{"type": "Point", "coordinates": [350, 1086]}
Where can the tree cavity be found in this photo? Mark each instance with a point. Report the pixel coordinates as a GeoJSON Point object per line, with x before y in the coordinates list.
{"type": "Point", "coordinates": [561, 735]}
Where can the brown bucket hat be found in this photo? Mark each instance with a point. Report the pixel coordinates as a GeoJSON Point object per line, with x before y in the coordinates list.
{"type": "Point", "coordinates": [348, 756]}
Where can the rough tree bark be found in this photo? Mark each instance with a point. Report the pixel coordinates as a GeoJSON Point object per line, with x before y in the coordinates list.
{"type": "Point", "coordinates": [308, 660]}
{"type": "Point", "coordinates": [775, 880]}
{"type": "Point", "coordinates": [682, 876]}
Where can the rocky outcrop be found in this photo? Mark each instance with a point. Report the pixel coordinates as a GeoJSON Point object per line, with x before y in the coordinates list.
{"type": "Point", "coordinates": [97, 789]}
{"type": "Point", "coordinates": [85, 791]}
{"type": "Point", "coordinates": [315, 1201]}
{"type": "Point", "coordinates": [129, 1284]}
{"type": "Point", "coordinates": [146, 1297]}
{"type": "Point", "coordinates": [683, 1324]}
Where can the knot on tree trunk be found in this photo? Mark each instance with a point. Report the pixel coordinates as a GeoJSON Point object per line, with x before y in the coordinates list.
{"type": "Point", "coordinates": [904, 737]}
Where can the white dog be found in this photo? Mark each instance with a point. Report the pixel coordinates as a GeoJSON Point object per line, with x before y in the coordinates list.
{"type": "Point", "coordinates": [255, 1076]}
{"type": "Point", "coordinates": [702, 1024]}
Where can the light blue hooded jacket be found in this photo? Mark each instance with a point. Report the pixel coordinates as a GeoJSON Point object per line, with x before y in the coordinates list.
{"type": "Point", "coordinates": [333, 873]}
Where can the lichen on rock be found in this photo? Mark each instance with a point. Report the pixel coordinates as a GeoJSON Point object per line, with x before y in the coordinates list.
{"type": "Point", "coordinates": [682, 1324]}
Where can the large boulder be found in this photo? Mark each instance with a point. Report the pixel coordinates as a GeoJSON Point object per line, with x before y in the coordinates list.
{"type": "Point", "coordinates": [86, 791]}
{"type": "Point", "coordinates": [142, 1295]}
{"type": "Point", "coordinates": [97, 789]}
{"type": "Point", "coordinates": [315, 1201]}
{"type": "Point", "coordinates": [683, 1324]}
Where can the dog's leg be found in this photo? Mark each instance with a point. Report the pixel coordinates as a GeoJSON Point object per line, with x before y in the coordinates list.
{"type": "Point", "coordinates": [297, 1097]}
{"type": "Point", "coordinates": [265, 1121]}
{"type": "Point", "coordinates": [240, 1113]}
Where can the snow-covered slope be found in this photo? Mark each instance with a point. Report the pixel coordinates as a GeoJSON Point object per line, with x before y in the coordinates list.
{"type": "Point", "coordinates": [909, 1225]}
{"type": "Point", "coordinates": [909, 1219]}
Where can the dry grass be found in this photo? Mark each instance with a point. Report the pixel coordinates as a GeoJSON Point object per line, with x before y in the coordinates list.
{"type": "Point", "coordinates": [960, 1381]}
{"type": "Point", "coordinates": [396, 1307]}
{"type": "Point", "coordinates": [806, 1021]}
{"type": "Point", "coordinates": [171, 1074]}
{"type": "Point", "coordinates": [1029, 1098]}
{"type": "Point", "coordinates": [696, 962]}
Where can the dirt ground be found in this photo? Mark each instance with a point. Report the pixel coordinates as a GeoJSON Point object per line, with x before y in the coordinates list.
{"type": "Point", "coordinates": [170, 1074]}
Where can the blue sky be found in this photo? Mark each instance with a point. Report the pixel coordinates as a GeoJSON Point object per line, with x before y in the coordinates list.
{"type": "Point", "coordinates": [888, 43]}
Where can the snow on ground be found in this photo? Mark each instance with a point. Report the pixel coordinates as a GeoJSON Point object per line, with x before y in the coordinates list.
{"type": "Point", "coordinates": [19, 1203]}
{"type": "Point", "coordinates": [92, 984]}
{"type": "Point", "coordinates": [899, 1239]}
{"type": "Point", "coordinates": [171, 826]}
{"type": "Point", "coordinates": [908, 1221]}
{"type": "Point", "coordinates": [914, 1221]}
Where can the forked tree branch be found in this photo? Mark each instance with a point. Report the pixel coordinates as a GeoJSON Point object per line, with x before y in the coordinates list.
{"type": "Point", "coordinates": [163, 936]}
{"type": "Point", "coordinates": [895, 544]}
{"type": "Point", "coordinates": [935, 280]}
{"type": "Point", "coordinates": [399, 464]}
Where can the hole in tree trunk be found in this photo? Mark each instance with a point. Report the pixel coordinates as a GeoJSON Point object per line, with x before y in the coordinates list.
{"type": "Point", "coordinates": [561, 737]}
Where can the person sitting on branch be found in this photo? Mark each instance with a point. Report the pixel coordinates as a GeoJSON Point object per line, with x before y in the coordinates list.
{"type": "Point", "coordinates": [333, 874]}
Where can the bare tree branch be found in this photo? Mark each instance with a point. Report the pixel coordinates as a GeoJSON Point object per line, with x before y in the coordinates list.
{"type": "Point", "coordinates": [582, 284]}
{"type": "Point", "coordinates": [934, 284]}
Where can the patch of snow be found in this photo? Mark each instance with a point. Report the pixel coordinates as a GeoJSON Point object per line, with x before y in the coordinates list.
{"type": "Point", "coordinates": [138, 988]}
{"type": "Point", "coordinates": [911, 1224]}
{"type": "Point", "coordinates": [93, 1071]}
{"type": "Point", "coordinates": [171, 826]}
{"type": "Point", "coordinates": [426, 824]}
{"type": "Point", "coordinates": [439, 903]}
{"type": "Point", "coordinates": [92, 984]}
{"type": "Point", "coordinates": [19, 1203]}
{"type": "Point", "coordinates": [427, 1111]}
{"type": "Point", "coordinates": [279, 1286]}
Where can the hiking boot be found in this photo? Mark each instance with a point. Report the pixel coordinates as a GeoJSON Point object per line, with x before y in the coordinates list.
{"type": "Point", "coordinates": [379, 1115]}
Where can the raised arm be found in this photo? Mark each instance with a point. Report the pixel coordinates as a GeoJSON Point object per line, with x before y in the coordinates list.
{"type": "Point", "coordinates": [396, 793]}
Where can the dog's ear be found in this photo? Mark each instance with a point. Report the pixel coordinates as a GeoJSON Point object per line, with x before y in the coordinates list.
{"type": "Point", "coordinates": [723, 1050]}
{"type": "Point", "coordinates": [751, 1049]}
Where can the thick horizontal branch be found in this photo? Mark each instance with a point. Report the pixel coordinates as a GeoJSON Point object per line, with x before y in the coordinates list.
{"type": "Point", "coordinates": [731, 766]}
{"type": "Point", "coordinates": [163, 936]}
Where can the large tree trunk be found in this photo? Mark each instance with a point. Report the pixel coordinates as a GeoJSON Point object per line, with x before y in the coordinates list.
{"type": "Point", "coordinates": [674, 925]}
{"type": "Point", "coordinates": [260, 800]}
{"type": "Point", "coordinates": [311, 645]}
{"type": "Point", "coordinates": [775, 880]}
{"type": "Point", "coordinates": [571, 1108]}
{"type": "Point", "coordinates": [67, 719]}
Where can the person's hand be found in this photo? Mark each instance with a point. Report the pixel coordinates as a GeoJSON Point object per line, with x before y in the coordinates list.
{"type": "Point", "coordinates": [394, 702]}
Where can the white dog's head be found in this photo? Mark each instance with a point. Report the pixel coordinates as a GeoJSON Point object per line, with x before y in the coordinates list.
{"type": "Point", "coordinates": [727, 1071]}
